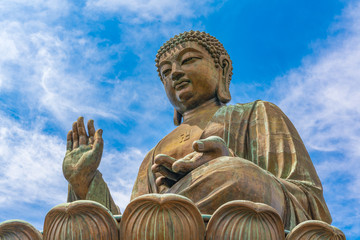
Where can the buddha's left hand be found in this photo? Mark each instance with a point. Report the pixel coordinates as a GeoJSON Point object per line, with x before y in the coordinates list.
{"type": "Point", "coordinates": [205, 150]}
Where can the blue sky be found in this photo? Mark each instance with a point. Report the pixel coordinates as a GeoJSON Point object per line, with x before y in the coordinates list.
{"type": "Point", "coordinates": [63, 59]}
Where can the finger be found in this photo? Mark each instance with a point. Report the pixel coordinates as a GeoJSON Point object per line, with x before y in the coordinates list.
{"type": "Point", "coordinates": [91, 159]}
{"type": "Point", "coordinates": [69, 141]}
{"type": "Point", "coordinates": [75, 135]}
{"type": "Point", "coordinates": [213, 144]}
{"type": "Point", "coordinates": [91, 130]}
{"type": "Point", "coordinates": [81, 131]}
{"type": "Point", "coordinates": [185, 165]}
{"type": "Point", "coordinates": [164, 160]}
{"type": "Point", "coordinates": [231, 153]}
{"type": "Point", "coordinates": [98, 143]}
{"type": "Point", "coordinates": [190, 156]}
{"type": "Point", "coordinates": [164, 181]}
{"type": "Point", "coordinates": [165, 172]}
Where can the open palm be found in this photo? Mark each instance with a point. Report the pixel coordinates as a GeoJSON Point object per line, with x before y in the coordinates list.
{"type": "Point", "coordinates": [83, 156]}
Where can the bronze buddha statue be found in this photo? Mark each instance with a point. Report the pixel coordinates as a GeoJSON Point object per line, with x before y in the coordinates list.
{"type": "Point", "coordinates": [217, 152]}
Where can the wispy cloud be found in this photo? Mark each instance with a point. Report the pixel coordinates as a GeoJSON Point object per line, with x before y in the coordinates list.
{"type": "Point", "coordinates": [139, 11]}
{"type": "Point", "coordinates": [29, 163]}
{"type": "Point", "coordinates": [48, 10]}
{"type": "Point", "coordinates": [119, 171]}
{"type": "Point", "coordinates": [30, 171]}
{"type": "Point", "coordinates": [322, 98]}
{"type": "Point", "coordinates": [146, 23]}
{"type": "Point", "coordinates": [36, 66]}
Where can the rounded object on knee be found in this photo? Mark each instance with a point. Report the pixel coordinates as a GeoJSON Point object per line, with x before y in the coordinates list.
{"type": "Point", "coordinates": [245, 220]}
{"type": "Point", "coordinates": [162, 217]}
{"type": "Point", "coordinates": [17, 229]}
{"type": "Point", "coordinates": [315, 230]}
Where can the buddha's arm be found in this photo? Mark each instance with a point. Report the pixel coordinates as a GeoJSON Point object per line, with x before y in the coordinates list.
{"type": "Point", "coordinates": [276, 147]}
{"type": "Point", "coordinates": [82, 158]}
{"type": "Point", "coordinates": [98, 191]}
{"type": "Point", "coordinates": [145, 182]}
{"type": "Point", "coordinates": [270, 153]}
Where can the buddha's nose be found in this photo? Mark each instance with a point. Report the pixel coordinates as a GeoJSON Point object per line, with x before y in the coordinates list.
{"type": "Point", "coordinates": [176, 72]}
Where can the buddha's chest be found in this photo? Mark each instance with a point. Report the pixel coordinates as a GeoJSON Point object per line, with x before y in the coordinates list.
{"type": "Point", "coordinates": [179, 142]}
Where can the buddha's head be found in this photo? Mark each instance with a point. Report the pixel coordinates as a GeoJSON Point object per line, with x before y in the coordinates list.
{"type": "Point", "coordinates": [194, 68]}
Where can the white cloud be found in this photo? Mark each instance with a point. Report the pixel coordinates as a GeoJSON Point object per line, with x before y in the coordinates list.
{"type": "Point", "coordinates": [322, 99]}
{"type": "Point", "coordinates": [119, 170]}
{"type": "Point", "coordinates": [48, 10]}
{"type": "Point", "coordinates": [30, 169]}
{"type": "Point", "coordinates": [38, 63]}
{"type": "Point", "coordinates": [138, 11]}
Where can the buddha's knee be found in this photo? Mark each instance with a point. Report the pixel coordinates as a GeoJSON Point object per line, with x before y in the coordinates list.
{"type": "Point", "coordinates": [240, 179]}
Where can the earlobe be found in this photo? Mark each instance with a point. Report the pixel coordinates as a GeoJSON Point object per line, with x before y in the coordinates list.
{"type": "Point", "coordinates": [224, 83]}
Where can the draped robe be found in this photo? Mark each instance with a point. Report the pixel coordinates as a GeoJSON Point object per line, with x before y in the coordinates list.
{"type": "Point", "coordinates": [262, 134]}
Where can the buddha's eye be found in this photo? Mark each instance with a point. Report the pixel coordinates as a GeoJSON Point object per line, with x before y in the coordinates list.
{"type": "Point", "coordinates": [189, 60]}
{"type": "Point", "coordinates": [166, 72]}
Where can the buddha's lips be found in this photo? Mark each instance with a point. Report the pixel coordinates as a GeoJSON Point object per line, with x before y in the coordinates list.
{"type": "Point", "coordinates": [178, 85]}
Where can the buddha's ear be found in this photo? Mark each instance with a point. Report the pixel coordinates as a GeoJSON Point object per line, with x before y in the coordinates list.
{"type": "Point", "coordinates": [224, 83]}
{"type": "Point", "coordinates": [177, 118]}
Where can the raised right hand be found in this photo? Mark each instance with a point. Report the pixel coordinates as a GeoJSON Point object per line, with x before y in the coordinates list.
{"type": "Point", "coordinates": [83, 156]}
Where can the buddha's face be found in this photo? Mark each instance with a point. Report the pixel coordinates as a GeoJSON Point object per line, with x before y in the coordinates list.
{"type": "Point", "coordinates": [189, 75]}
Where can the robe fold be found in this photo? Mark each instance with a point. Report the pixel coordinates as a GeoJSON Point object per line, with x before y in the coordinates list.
{"type": "Point", "coordinates": [98, 192]}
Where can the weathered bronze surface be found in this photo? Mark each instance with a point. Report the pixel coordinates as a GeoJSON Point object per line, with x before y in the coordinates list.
{"type": "Point", "coordinates": [17, 229]}
{"type": "Point", "coordinates": [80, 220]}
{"type": "Point", "coordinates": [241, 219]}
{"type": "Point", "coordinates": [162, 217]}
{"type": "Point", "coordinates": [82, 158]}
{"type": "Point", "coordinates": [315, 230]}
{"type": "Point", "coordinates": [218, 153]}
{"type": "Point", "coordinates": [166, 216]}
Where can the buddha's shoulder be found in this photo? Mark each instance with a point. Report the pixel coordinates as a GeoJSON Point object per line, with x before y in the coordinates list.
{"type": "Point", "coordinates": [251, 106]}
